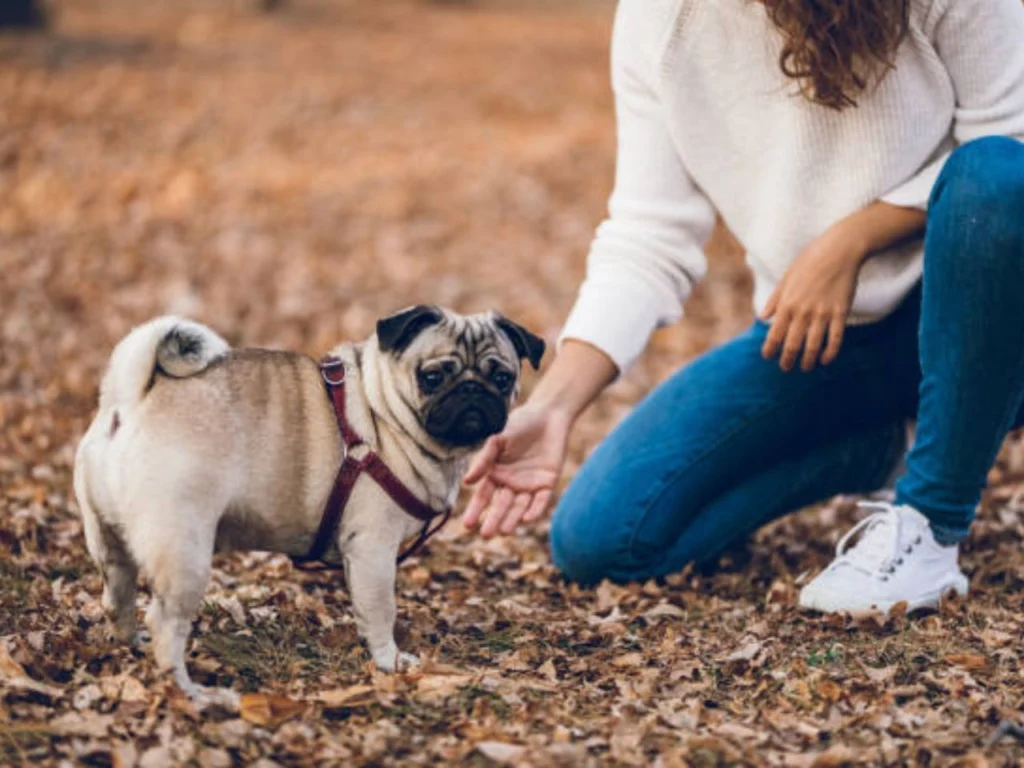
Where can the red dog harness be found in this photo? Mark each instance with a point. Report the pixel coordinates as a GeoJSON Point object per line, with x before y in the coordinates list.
{"type": "Point", "coordinates": [333, 371]}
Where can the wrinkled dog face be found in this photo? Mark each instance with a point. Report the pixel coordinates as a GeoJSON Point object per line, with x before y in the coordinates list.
{"type": "Point", "coordinates": [459, 374]}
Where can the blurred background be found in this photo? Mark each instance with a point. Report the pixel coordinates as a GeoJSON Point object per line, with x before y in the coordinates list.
{"type": "Point", "coordinates": [287, 171]}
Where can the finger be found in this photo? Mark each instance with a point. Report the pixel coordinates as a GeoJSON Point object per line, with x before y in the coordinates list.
{"type": "Point", "coordinates": [478, 502]}
{"type": "Point", "coordinates": [812, 344]}
{"type": "Point", "coordinates": [502, 500]}
{"type": "Point", "coordinates": [538, 506]}
{"type": "Point", "coordinates": [835, 338]}
{"type": "Point", "coordinates": [772, 304]}
{"type": "Point", "coordinates": [794, 342]}
{"type": "Point", "coordinates": [515, 513]}
{"type": "Point", "coordinates": [776, 335]}
{"type": "Point", "coordinates": [484, 460]}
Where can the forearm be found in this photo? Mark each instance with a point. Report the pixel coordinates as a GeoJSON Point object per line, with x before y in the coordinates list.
{"type": "Point", "coordinates": [881, 225]}
{"type": "Point", "coordinates": [578, 375]}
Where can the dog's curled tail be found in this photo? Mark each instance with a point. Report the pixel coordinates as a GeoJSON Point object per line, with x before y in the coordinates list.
{"type": "Point", "coordinates": [169, 345]}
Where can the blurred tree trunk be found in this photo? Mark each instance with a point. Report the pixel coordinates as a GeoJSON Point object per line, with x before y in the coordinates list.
{"type": "Point", "coordinates": [24, 14]}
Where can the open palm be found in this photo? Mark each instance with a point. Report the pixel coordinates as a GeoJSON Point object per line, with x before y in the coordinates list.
{"type": "Point", "coordinates": [515, 473]}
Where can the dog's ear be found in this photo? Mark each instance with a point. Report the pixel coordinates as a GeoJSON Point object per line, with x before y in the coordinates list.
{"type": "Point", "coordinates": [527, 344]}
{"type": "Point", "coordinates": [396, 332]}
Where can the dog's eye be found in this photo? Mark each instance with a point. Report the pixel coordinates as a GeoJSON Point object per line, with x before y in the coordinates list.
{"type": "Point", "coordinates": [503, 380]}
{"type": "Point", "coordinates": [430, 380]}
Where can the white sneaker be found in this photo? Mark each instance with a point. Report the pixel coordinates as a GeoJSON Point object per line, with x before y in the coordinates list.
{"type": "Point", "coordinates": [895, 560]}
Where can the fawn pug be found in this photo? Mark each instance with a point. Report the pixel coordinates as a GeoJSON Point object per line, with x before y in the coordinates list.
{"type": "Point", "coordinates": [199, 448]}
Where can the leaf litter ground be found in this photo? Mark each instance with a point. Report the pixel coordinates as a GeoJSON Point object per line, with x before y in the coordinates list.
{"type": "Point", "coordinates": [287, 178]}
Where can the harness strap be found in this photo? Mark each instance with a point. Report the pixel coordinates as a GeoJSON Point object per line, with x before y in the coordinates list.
{"type": "Point", "coordinates": [333, 372]}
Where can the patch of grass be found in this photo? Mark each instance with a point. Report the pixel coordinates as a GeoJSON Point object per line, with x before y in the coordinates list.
{"type": "Point", "coordinates": [499, 641]}
{"type": "Point", "coordinates": [19, 742]}
{"type": "Point", "coordinates": [280, 651]}
{"type": "Point", "coordinates": [831, 655]}
{"type": "Point", "coordinates": [14, 592]}
{"type": "Point", "coordinates": [467, 698]}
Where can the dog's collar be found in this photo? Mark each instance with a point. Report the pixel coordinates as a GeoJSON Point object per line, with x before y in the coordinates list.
{"type": "Point", "coordinates": [332, 370]}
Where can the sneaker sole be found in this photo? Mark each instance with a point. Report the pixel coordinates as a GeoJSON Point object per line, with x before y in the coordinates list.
{"type": "Point", "coordinates": [929, 600]}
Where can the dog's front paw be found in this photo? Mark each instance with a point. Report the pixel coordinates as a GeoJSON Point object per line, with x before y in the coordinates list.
{"type": "Point", "coordinates": [220, 697]}
{"type": "Point", "coordinates": [393, 660]}
{"type": "Point", "coordinates": [204, 697]}
{"type": "Point", "coordinates": [407, 661]}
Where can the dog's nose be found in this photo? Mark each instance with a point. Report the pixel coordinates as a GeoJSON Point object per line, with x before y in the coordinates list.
{"type": "Point", "coordinates": [472, 388]}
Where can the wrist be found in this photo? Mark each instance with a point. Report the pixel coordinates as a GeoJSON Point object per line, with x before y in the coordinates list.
{"type": "Point", "coordinates": [555, 402]}
{"type": "Point", "coordinates": [880, 226]}
{"type": "Point", "coordinates": [854, 239]}
{"type": "Point", "coordinates": [578, 374]}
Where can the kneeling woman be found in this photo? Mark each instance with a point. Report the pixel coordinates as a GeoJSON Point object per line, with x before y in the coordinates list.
{"type": "Point", "coordinates": [868, 155]}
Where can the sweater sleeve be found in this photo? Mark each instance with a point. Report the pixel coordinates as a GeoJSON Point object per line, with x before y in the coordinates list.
{"type": "Point", "coordinates": [648, 253]}
{"type": "Point", "coordinates": [981, 43]}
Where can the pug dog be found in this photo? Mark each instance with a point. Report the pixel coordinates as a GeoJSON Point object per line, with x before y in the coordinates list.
{"type": "Point", "coordinates": [198, 448]}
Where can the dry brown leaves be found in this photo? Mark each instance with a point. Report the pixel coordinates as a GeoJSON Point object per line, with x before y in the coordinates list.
{"type": "Point", "coordinates": [286, 179]}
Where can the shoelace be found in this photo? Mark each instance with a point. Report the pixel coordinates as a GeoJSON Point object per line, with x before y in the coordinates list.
{"type": "Point", "coordinates": [877, 552]}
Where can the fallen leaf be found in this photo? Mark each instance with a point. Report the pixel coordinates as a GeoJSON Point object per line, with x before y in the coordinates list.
{"type": "Point", "coordinates": [158, 756]}
{"type": "Point", "coordinates": [971, 760]}
{"type": "Point", "coordinates": [972, 662]}
{"type": "Point", "coordinates": [829, 690]}
{"type": "Point", "coordinates": [746, 652]}
{"type": "Point", "coordinates": [616, 616]}
{"type": "Point", "coordinates": [418, 576]}
{"type": "Point", "coordinates": [268, 709]}
{"type": "Point", "coordinates": [214, 758]}
{"type": "Point", "coordinates": [711, 748]}
{"type": "Point", "coordinates": [12, 674]}
{"type": "Point", "coordinates": [352, 696]}
{"type": "Point", "coordinates": [232, 606]}
{"type": "Point", "coordinates": [439, 687]}
{"type": "Point", "coordinates": [132, 690]}
{"type": "Point", "coordinates": [124, 754]}
{"type": "Point", "coordinates": [834, 757]}
{"type": "Point", "coordinates": [501, 752]}
{"type": "Point", "coordinates": [607, 596]}
{"type": "Point", "coordinates": [881, 675]}
{"type": "Point", "coordinates": [898, 611]}
{"type": "Point", "coordinates": [627, 660]}
{"type": "Point", "coordinates": [82, 724]}
{"type": "Point", "coordinates": [86, 696]}
{"type": "Point", "coordinates": [665, 609]}
{"type": "Point", "coordinates": [547, 669]}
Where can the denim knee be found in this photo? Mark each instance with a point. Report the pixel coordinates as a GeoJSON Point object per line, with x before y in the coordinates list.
{"type": "Point", "coordinates": [985, 175]}
{"type": "Point", "coordinates": [583, 547]}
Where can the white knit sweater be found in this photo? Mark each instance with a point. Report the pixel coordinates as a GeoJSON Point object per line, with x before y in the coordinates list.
{"type": "Point", "coordinates": [706, 120]}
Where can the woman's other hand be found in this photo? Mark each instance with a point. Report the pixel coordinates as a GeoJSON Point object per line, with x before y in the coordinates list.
{"type": "Point", "coordinates": [809, 307]}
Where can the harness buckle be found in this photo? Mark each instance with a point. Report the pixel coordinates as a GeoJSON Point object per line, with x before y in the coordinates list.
{"type": "Point", "coordinates": [333, 364]}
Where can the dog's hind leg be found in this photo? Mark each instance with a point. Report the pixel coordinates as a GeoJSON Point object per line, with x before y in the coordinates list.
{"type": "Point", "coordinates": [178, 568]}
{"type": "Point", "coordinates": [115, 562]}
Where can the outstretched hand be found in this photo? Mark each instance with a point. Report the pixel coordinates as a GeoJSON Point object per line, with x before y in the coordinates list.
{"type": "Point", "coordinates": [515, 472]}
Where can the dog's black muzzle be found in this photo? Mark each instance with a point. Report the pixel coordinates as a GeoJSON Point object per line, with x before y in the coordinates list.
{"type": "Point", "coordinates": [467, 415]}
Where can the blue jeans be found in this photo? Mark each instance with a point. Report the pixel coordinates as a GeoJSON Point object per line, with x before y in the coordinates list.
{"type": "Point", "coordinates": [732, 442]}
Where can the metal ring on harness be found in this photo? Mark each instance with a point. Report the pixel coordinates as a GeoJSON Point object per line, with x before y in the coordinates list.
{"type": "Point", "coordinates": [329, 365]}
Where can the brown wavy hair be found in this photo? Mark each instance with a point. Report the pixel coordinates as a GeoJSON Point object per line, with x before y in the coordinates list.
{"type": "Point", "coordinates": [835, 49]}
